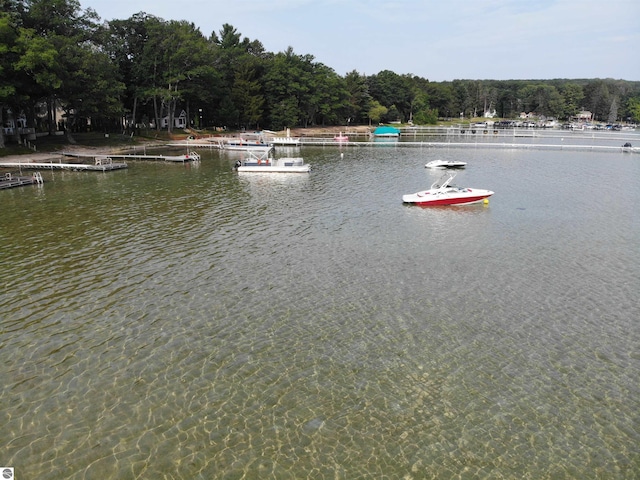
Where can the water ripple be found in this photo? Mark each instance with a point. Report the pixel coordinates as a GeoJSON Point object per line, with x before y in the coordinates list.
{"type": "Point", "coordinates": [192, 322]}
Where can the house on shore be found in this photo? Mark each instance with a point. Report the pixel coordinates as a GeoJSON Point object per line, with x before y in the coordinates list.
{"type": "Point", "coordinates": [178, 122]}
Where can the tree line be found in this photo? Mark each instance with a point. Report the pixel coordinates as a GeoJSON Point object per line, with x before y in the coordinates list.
{"type": "Point", "coordinates": [62, 67]}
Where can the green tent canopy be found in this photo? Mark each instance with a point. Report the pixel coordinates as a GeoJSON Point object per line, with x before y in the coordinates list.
{"type": "Point", "coordinates": [386, 132]}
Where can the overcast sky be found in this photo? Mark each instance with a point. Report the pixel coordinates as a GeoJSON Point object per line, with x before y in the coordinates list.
{"type": "Point", "coordinates": [435, 39]}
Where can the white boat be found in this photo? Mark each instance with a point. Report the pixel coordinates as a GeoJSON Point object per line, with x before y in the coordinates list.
{"type": "Point", "coordinates": [445, 164]}
{"type": "Point", "coordinates": [243, 143]}
{"type": "Point", "coordinates": [287, 141]}
{"type": "Point", "coordinates": [442, 192]}
{"type": "Point", "coordinates": [265, 164]}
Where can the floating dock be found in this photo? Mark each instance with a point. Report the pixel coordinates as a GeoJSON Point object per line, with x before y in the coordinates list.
{"type": "Point", "coordinates": [189, 157]}
{"type": "Point", "coordinates": [104, 164]}
{"type": "Point", "coordinates": [10, 180]}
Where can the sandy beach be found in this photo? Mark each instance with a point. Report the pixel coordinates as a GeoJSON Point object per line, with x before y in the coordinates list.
{"type": "Point", "coordinates": [31, 158]}
{"type": "Point", "coordinates": [56, 155]}
{"type": "Point", "coordinates": [36, 157]}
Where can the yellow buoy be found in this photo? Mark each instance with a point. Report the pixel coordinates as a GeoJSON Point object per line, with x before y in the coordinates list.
{"type": "Point", "coordinates": [486, 201]}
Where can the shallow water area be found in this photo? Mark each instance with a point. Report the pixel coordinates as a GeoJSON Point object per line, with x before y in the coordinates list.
{"type": "Point", "coordinates": [187, 321]}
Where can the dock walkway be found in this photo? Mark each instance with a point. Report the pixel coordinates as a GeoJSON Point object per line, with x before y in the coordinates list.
{"type": "Point", "coordinates": [189, 157]}
{"type": "Point", "coordinates": [10, 180]}
{"type": "Point", "coordinates": [101, 165]}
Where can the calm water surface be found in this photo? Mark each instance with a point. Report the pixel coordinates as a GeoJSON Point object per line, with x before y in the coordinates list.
{"type": "Point", "coordinates": [188, 322]}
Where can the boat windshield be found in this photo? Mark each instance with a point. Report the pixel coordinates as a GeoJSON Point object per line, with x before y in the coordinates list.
{"type": "Point", "coordinates": [444, 181]}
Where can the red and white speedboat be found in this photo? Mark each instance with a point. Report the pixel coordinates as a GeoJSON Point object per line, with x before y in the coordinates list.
{"type": "Point", "coordinates": [443, 193]}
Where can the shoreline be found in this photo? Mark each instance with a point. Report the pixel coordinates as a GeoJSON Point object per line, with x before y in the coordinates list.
{"type": "Point", "coordinates": [309, 132]}
{"type": "Point", "coordinates": [56, 155]}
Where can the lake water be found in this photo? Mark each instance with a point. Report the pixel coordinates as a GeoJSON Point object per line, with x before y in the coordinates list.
{"type": "Point", "coordinates": [189, 322]}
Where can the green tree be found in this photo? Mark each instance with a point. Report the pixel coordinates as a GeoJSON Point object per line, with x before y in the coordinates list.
{"type": "Point", "coordinates": [359, 100]}
{"type": "Point", "coordinates": [389, 88]}
{"type": "Point", "coordinates": [326, 101]}
{"type": "Point", "coordinates": [507, 106]}
{"type": "Point", "coordinates": [287, 82]}
{"type": "Point", "coordinates": [124, 42]}
{"type": "Point", "coordinates": [426, 116]}
{"type": "Point", "coordinates": [573, 96]}
{"type": "Point", "coordinates": [59, 62]}
{"type": "Point", "coordinates": [376, 112]}
{"type": "Point", "coordinates": [246, 91]}
{"type": "Point", "coordinates": [597, 99]}
{"type": "Point", "coordinates": [423, 114]}
{"type": "Point", "coordinates": [542, 99]}
{"type": "Point", "coordinates": [35, 75]}
{"type": "Point", "coordinates": [174, 60]}
{"type": "Point", "coordinates": [240, 62]}
{"type": "Point", "coordinates": [8, 39]}
{"type": "Point", "coordinates": [633, 109]}
{"type": "Point", "coordinates": [439, 98]}
{"type": "Point", "coordinates": [462, 99]}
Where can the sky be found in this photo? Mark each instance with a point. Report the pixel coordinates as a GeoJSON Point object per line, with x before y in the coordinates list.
{"type": "Point", "coordinates": [439, 40]}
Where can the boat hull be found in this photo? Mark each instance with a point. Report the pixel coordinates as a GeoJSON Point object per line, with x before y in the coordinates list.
{"type": "Point", "coordinates": [442, 164]}
{"type": "Point", "coordinates": [243, 147]}
{"type": "Point", "coordinates": [280, 165]}
{"type": "Point", "coordinates": [274, 169]}
{"type": "Point", "coordinates": [428, 199]}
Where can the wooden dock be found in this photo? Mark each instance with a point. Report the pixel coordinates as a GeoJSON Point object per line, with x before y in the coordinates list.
{"type": "Point", "coordinates": [10, 180]}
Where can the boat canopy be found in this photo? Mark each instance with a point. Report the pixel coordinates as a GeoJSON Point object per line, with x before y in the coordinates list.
{"type": "Point", "coordinates": [386, 131]}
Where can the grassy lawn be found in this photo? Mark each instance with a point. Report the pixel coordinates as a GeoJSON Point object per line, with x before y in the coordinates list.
{"type": "Point", "coordinates": [53, 143]}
